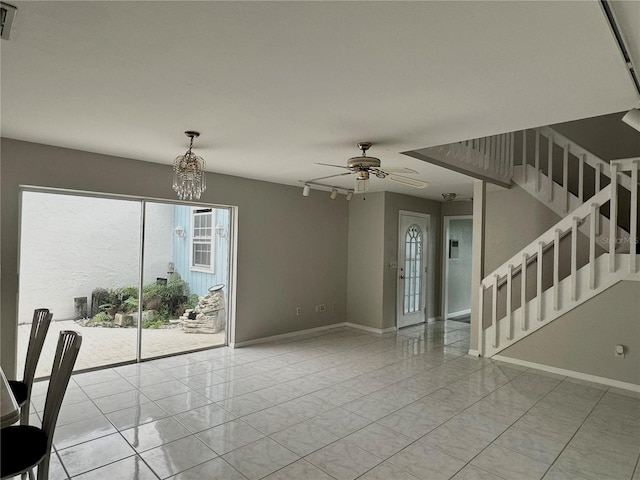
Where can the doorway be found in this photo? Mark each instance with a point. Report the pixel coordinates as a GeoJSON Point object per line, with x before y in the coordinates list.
{"type": "Point", "coordinates": [413, 232]}
{"type": "Point", "coordinates": [139, 279]}
{"type": "Point", "coordinates": [457, 251]}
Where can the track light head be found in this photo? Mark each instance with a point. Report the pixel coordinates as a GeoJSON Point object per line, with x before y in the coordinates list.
{"type": "Point", "coordinates": [632, 118]}
{"type": "Point", "coordinates": [334, 194]}
{"type": "Point", "coordinates": [349, 195]}
{"type": "Point", "coordinates": [306, 190]}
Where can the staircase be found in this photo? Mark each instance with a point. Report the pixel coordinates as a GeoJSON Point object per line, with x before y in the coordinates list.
{"type": "Point", "coordinates": [554, 273]}
{"type": "Point", "coordinates": [556, 194]}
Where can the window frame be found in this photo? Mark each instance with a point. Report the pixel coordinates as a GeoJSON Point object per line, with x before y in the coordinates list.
{"type": "Point", "coordinates": [195, 240]}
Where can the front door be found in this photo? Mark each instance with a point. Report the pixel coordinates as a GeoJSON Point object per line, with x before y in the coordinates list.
{"type": "Point", "coordinates": [412, 268]}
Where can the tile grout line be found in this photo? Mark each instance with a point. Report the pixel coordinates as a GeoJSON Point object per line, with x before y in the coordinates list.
{"type": "Point", "coordinates": [376, 349]}
{"type": "Point", "coordinates": [575, 433]}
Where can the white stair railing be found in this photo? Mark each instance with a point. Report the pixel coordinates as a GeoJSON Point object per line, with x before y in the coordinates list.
{"type": "Point", "coordinates": [487, 157]}
{"type": "Point", "coordinates": [585, 158]}
{"type": "Point", "coordinates": [581, 284]}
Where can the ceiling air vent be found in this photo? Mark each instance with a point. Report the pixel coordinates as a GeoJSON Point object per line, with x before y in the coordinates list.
{"type": "Point", "coordinates": [7, 14]}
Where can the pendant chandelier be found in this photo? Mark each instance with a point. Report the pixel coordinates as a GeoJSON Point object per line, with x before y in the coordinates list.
{"type": "Point", "coordinates": [189, 180]}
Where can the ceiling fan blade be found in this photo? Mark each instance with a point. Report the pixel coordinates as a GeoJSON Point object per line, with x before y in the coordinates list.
{"type": "Point", "coordinates": [412, 182]}
{"type": "Point", "coordinates": [331, 176]}
{"type": "Point", "coordinates": [329, 165]}
{"type": "Point", "coordinates": [398, 170]}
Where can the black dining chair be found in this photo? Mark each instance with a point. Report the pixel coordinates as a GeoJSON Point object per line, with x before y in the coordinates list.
{"type": "Point", "coordinates": [22, 389]}
{"type": "Point", "coordinates": [24, 447]}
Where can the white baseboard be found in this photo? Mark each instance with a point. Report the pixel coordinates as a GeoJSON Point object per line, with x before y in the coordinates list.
{"type": "Point", "coordinates": [570, 373]}
{"type": "Point", "coordinates": [286, 335]}
{"type": "Point", "coordinates": [461, 313]}
{"type": "Point", "coordinates": [434, 319]}
{"type": "Point", "coordinates": [371, 329]}
{"type": "Point", "coordinates": [474, 353]}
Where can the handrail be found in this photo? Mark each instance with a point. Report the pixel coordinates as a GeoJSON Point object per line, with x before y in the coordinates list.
{"type": "Point", "coordinates": [626, 164]}
{"type": "Point", "coordinates": [580, 152]}
{"type": "Point", "coordinates": [533, 258]}
{"type": "Point", "coordinates": [548, 237]}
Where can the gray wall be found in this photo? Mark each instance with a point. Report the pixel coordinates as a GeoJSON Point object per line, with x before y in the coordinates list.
{"type": "Point", "coordinates": [606, 136]}
{"type": "Point", "coordinates": [583, 340]}
{"type": "Point", "coordinates": [513, 219]}
{"type": "Point", "coordinates": [457, 208]}
{"type": "Point", "coordinates": [292, 250]}
{"type": "Point", "coordinates": [366, 257]}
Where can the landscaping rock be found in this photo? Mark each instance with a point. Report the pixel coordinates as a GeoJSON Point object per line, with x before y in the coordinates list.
{"type": "Point", "coordinates": [209, 316]}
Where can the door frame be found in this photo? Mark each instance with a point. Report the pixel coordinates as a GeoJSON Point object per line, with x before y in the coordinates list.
{"type": "Point", "coordinates": [143, 200]}
{"type": "Point", "coordinates": [446, 221]}
{"type": "Point", "coordinates": [426, 247]}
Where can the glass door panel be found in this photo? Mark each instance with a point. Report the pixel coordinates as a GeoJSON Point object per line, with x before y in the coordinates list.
{"type": "Point", "coordinates": [186, 257]}
{"type": "Point", "coordinates": [79, 257]}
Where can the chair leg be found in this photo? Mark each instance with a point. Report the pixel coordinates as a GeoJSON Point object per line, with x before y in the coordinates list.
{"type": "Point", "coordinates": [43, 468]}
{"type": "Point", "coordinates": [24, 414]}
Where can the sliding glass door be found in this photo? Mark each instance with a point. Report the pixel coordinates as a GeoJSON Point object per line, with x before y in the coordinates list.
{"type": "Point", "coordinates": [138, 279]}
{"type": "Point", "coordinates": [79, 257]}
{"type": "Point", "coordinates": [184, 288]}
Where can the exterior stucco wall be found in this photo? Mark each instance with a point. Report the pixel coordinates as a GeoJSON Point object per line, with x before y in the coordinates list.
{"type": "Point", "coordinates": [70, 245]}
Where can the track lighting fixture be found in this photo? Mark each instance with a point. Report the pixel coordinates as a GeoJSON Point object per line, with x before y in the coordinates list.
{"type": "Point", "coordinates": [306, 190]}
{"type": "Point", "coordinates": [632, 118]}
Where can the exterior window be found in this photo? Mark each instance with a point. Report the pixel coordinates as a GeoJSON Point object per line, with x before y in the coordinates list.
{"type": "Point", "coordinates": [202, 240]}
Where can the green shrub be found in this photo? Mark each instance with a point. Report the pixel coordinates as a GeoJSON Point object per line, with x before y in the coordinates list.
{"type": "Point", "coordinates": [103, 319]}
{"type": "Point", "coordinates": [154, 321]}
{"type": "Point", "coordinates": [167, 301]}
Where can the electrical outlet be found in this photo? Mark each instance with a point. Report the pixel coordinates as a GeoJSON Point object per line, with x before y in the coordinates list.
{"type": "Point", "coordinates": [298, 311]}
{"type": "Point", "coordinates": [321, 308]}
{"type": "Point", "coordinates": [619, 351]}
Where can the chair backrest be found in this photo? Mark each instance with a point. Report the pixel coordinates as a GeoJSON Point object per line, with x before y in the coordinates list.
{"type": "Point", "coordinates": [39, 327]}
{"type": "Point", "coordinates": [66, 353]}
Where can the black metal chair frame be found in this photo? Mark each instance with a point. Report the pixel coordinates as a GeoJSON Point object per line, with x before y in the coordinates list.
{"type": "Point", "coordinates": [24, 447]}
{"type": "Point", "coordinates": [22, 389]}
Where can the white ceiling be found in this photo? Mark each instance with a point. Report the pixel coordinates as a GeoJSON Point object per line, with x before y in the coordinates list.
{"type": "Point", "coordinates": [276, 86]}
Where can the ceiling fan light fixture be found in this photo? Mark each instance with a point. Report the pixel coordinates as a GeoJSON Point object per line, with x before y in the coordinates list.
{"type": "Point", "coordinates": [449, 197]}
{"type": "Point", "coordinates": [362, 184]}
{"type": "Point", "coordinates": [334, 194]}
{"type": "Point", "coordinates": [189, 176]}
{"type": "Point", "coordinates": [362, 181]}
{"type": "Point", "coordinates": [306, 190]}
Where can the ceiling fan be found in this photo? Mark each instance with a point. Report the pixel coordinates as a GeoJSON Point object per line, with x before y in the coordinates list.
{"type": "Point", "coordinates": [363, 166]}
{"type": "Point", "coordinates": [450, 197]}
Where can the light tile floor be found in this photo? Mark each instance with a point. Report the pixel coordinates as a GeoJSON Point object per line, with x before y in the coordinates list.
{"type": "Point", "coordinates": [343, 404]}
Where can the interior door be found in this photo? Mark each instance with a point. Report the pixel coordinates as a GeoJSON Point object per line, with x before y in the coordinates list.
{"type": "Point", "coordinates": [412, 269]}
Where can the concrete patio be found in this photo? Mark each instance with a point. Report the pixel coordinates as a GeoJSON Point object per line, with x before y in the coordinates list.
{"type": "Point", "coordinates": [106, 346]}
